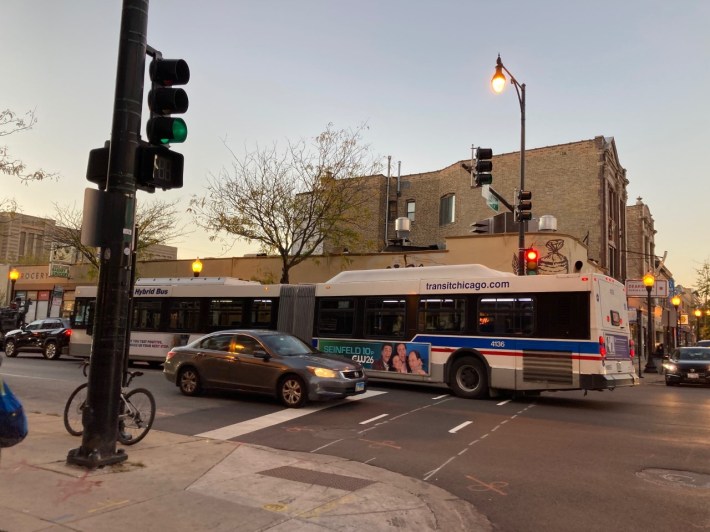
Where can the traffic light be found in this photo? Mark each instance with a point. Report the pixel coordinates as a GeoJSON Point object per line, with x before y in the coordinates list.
{"type": "Point", "coordinates": [156, 165]}
{"type": "Point", "coordinates": [484, 167]}
{"type": "Point", "coordinates": [164, 100]}
{"type": "Point", "coordinates": [524, 208]}
{"type": "Point", "coordinates": [531, 260]}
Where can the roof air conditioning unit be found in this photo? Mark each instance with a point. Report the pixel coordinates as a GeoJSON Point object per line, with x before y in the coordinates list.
{"type": "Point", "coordinates": [547, 223]}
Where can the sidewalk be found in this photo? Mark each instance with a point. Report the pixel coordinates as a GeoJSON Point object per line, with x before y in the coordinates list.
{"type": "Point", "coordinates": [173, 482]}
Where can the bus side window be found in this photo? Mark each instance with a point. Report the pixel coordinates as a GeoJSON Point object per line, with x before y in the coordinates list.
{"type": "Point", "coordinates": [90, 318]}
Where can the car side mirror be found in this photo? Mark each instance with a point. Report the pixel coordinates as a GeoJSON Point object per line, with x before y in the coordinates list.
{"type": "Point", "coordinates": [260, 353]}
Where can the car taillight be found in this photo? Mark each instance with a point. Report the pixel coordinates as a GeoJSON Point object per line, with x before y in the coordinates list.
{"type": "Point", "coordinates": [632, 349]}
{"type": "Point", "coordinates": [602, 348]}
{"type": "Point", "coordinates": [67, 332]}
{"type": "Point", "coordinates": [170, 355]}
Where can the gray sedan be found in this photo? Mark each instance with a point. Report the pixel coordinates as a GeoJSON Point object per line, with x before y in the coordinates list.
{"type": "Point", "coordinates": [268, 362]}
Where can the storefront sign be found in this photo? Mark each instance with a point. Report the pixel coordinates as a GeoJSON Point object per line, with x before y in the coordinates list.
{"type": "Point", "coordinates": [59, 270]}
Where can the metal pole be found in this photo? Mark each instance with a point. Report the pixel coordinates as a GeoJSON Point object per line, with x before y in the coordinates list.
{"type": "Point", "coordinates": [521, 228]}
{"type": "Point", "coordinates": [650, 366]}
{"type": "Point", "coordinates": [100, 417]}
{"type": "Point", "coordinates": [639, 337]}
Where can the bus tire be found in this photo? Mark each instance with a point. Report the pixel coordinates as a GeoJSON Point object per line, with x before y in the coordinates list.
{"type": "Point", "coordinates": [469, 378]}
{"type": "Point", "coordinates": [189, 381]}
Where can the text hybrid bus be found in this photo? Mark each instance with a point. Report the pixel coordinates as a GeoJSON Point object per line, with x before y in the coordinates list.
{"type": "Point", "coordinates": [478, 330]}
{"type": "Point", "coordinates": [169, 312]}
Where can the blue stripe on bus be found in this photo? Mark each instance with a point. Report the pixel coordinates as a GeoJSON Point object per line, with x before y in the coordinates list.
{"type": "Point", "coordinates": [515, 344]}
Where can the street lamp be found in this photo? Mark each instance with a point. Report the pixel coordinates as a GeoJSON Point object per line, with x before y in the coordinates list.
{"type": "Point", "coordinates": [498, 83]}
{"type": "Point", "coordinates": [197, 267]}
{"type": "Point", "coordinates": [648, 281]}
{"type": "Point", "coordinates": [675, 300]}
{"type": "Point", "coordinates": [14, 275]}
{"type": "Point", "coordinates": [697, 313]}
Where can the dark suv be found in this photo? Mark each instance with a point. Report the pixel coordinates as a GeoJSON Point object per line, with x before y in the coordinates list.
{"type": "Point", "coordinates": [50, 335]}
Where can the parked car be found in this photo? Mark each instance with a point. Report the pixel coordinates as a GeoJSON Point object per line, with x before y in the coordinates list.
{"type": "Point", "coordinates": [703, 343]}
{"type": "Point", "coordinates": [261, 361]}
{"type": "Point", "coordinates": [686, 365]}
{"type": "Point", "coordinates": [50, 336]}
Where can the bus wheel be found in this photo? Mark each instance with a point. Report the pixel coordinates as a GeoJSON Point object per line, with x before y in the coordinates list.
{"type": "Point", "coordinates": [189, 381]}
{"type": "Point", "coordinates": [469, 378]}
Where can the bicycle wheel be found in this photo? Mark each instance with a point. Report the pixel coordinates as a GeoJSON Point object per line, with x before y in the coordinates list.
{"type": "Point", "coordinates": [137, 416]}
{"type": "Point", "coordinates": [74, 411]}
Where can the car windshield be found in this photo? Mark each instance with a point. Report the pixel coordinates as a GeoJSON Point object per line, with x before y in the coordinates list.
{"type": "Point", "coordinates": [701, 353]}
{"type": "Point", "coordinates": [286, 345]}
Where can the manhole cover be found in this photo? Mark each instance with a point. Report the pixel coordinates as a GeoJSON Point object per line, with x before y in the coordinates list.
{"type": "Point", "coordinates": [673, 477]}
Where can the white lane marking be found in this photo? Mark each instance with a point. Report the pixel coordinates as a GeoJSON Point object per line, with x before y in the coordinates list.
{"type": "Point", "coordinates": [440, 396]}
{"type": "Point", "coordinates": [373, 419]}
{"type": "Point", "coordinates": [269, 420]}
{"type": "Point", "coordinates": [504, 402]}
{"type": "Point", "coordinates": [459, 427]}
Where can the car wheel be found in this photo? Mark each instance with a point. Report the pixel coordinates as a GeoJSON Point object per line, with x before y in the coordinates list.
{"type": "Point", "coordinates": [469, 378]}
{"type": "Point", "coordinates": [189, 381]}
{"type": "Point", "coordinates": [50, 351]}
{"type": "Point", "coordinates": [669, 382]}
{"type": "Point", "coordinates": [10, 350]}
{"type": "Point", "coordinates": [292, 391]}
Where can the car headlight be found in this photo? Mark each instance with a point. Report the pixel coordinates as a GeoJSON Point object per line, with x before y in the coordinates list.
{"type": "Point", "coordinates": [670, 367]}
{"type": "Point", "coordinates": [323, 372]}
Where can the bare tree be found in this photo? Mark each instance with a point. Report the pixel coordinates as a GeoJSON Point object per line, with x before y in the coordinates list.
{"type": "Point", "coordinates": [292, 201]}
{"type": "Point", "coordinates": [702, 287]}
{"type": "Point", "coordinates": [156, 223]}
{"type": "Point", "coordinates": [10, 123]}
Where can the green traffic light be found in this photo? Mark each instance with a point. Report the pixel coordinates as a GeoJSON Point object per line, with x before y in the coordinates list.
{"type": "Point", "coordinates": [166, 130]}
{"type": "Point", "coordinates": [179, 132]}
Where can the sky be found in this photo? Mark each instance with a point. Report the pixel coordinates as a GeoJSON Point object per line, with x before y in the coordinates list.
{"type": "Point", "coordinates": [416, 72]}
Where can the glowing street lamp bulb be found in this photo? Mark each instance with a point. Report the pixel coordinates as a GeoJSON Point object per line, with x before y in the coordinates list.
{"type": "Point", "coordinates": [498, 82]}
{"type": "Point", "coordinates": [649, 280]}
{"type": "Point", "coordinates": [675, 301]}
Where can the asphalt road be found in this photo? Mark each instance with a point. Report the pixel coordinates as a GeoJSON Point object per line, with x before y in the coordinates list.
{"type": "Point", "coordinates": [631, 459]}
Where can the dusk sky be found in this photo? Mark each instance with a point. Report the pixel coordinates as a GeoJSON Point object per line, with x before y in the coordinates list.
{"type": "Point", "coordinates": [417, 72]}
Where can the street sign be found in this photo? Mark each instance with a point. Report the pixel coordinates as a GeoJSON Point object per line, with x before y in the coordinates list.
{"type": "Point", "coordinates": [491, 200]}
{"type": "Point", "coordinates": [636, 288]}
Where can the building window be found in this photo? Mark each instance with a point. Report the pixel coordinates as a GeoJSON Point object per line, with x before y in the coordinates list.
{"type": "Point", "coordinates": [410, 209]}
{"type": "Point", "coordinates": [447, 209]}
{"type": "Point", "coordinates": [23, 237]}
{"type": "Point", "coordinates": [392, 210]}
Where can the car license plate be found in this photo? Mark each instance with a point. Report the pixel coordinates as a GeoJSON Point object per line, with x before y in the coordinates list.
{"type": "Point", "coordinates": [693, 375]}
{"type": "Point", "coordinates": [359, 386]}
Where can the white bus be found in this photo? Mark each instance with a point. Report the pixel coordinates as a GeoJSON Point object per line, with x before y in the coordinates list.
{"type": "Point", "coordinates": [478, 330]}
{"type": "Point", "coordinates": [168, 312]}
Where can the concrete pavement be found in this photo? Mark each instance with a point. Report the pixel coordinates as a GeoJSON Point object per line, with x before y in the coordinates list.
{"type": "Point", "coordinates": [174, 482]}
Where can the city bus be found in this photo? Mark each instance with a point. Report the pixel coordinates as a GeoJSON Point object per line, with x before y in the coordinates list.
{"type": "Point", "coordinates": [479, 331]}
{"type": "Point", "coordinates": [169, 312]}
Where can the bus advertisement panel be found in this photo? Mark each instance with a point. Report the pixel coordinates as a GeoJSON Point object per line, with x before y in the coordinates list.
{"type": "Point", "coordinates": [400, 357]}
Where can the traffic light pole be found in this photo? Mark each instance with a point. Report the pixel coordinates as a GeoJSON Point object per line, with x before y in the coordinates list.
{"type": "Point", "coordinates": [100, 418]}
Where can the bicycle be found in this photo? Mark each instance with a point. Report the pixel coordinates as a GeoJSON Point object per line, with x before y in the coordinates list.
{"type": "Point", "coordinates": [136, 416]}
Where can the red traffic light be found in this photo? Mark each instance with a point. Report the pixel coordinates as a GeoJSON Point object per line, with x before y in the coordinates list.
{"type": "Point", "coordinates": [531, 260]}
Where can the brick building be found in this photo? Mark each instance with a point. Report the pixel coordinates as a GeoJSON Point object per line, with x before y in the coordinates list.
{"type": "Point", "coordinates": [582, 184]}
